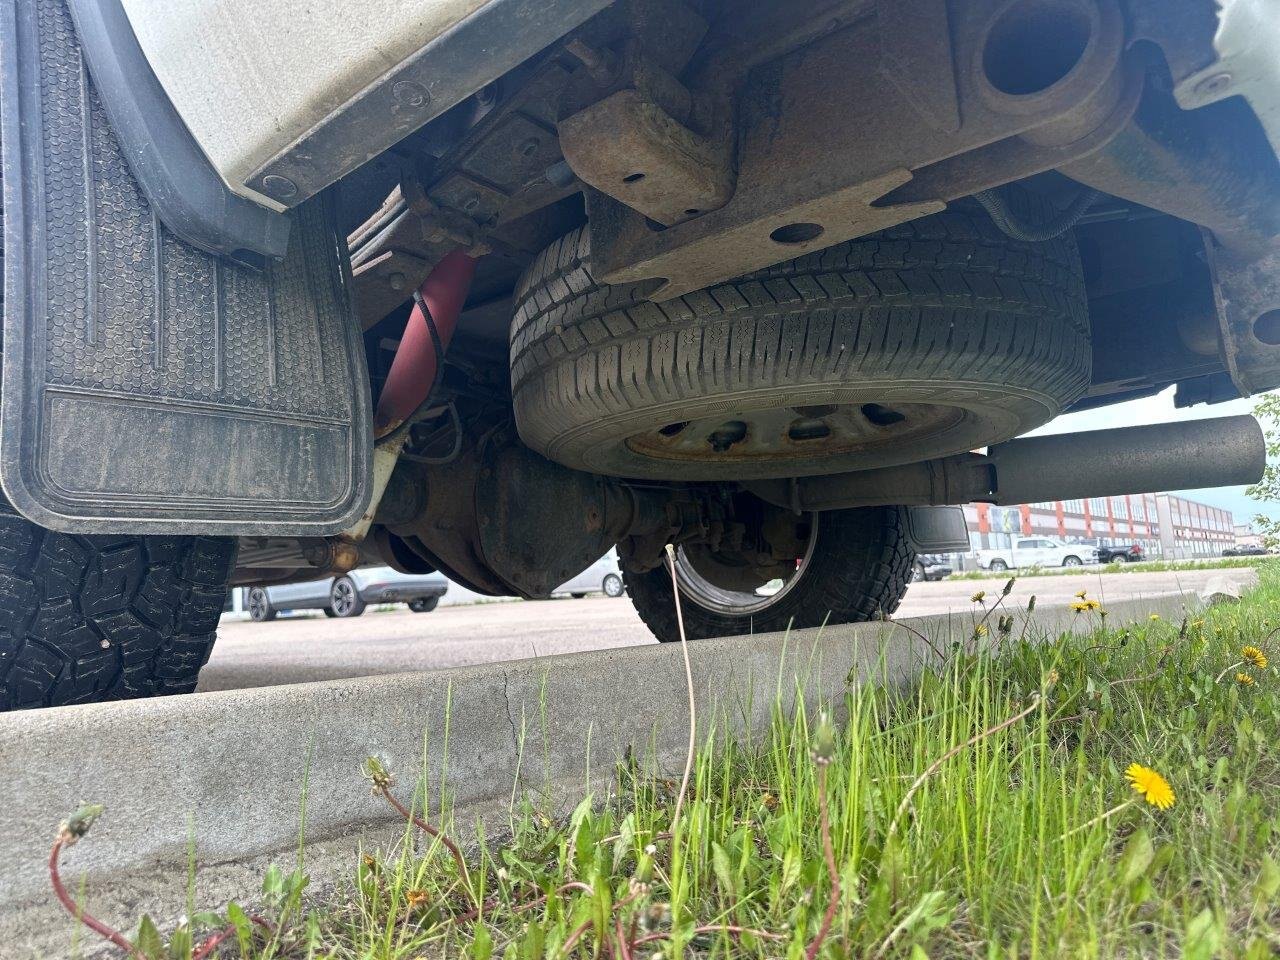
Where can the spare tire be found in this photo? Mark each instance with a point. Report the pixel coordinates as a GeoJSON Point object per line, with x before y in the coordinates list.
{"type": "Point", "coordinates": [932, 338]}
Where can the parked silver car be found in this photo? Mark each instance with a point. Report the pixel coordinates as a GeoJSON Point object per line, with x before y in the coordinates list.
{"type": "Point", "coordinates": [347, 596]}
{"type": "Point", "coordinates": [603, 576]}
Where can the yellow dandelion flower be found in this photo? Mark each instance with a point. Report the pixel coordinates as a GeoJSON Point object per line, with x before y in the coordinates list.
{"type": "Point", "coordinates": [1154, 788]}
{"type": "Point", "coordinates": [415, 898]}
{"type": "Point", "coordinates": [1255, 657]}
{"type": "Point", "coordinates": [1086, 606]}
{"type": "Point", "coordinates": [1081, 594]}
{"type": "Point", "coordinates": [980, 630]}
{"type": "Point", "coordinates": [978, 597]}
{"type": "Point", "coordinates": [1154, 616]}
{"type": "Point", "coordinates": [1244, 679]}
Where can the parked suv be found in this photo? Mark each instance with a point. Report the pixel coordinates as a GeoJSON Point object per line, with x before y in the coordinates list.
{"type": "Point", "coordinates": [1245, 551]}
{"type": "Point", "coordinates": [932, 567]}
{"type": "Point", "coordinates": [1130, 553]}
{"type": "Point", "coordinates": [349, 595]}
{"type": "Point", "coordinates": [489, 287]}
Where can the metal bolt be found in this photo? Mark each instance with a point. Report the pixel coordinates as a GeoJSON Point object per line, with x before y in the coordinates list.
{"type": "Point", "coordinates": [396, 280]}
{"type": "Point", "coordinates": [1214, 84]}
{"type": "Point", "coordinates": [470, 203]}
{"type": "Point", "coordinates": [409, 93]}
{"type": "Point", "coordinates": [282, 188]}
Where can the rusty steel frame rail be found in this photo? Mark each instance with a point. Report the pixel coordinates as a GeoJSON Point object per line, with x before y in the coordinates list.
{"type": "Point", "coordinates": [878, 122]}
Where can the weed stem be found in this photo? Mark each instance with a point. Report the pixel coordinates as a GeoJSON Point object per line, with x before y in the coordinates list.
{"type": "Point", "coordinates": [828, 853]}
{"type": "Point", "coordinates": [934, 767]}
{"type": "Point", "coordinates": [688, 677]}
{"type": "Point", "coordinates": [428, 829]}
{"type": "Point", "coordinates": [83, 916]}
{"type": "Point", "coordinates": [1098, 819]}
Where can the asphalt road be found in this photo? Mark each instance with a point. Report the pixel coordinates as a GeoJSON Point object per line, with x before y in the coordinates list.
{"type": "Point", "coordinates": [302, 648]}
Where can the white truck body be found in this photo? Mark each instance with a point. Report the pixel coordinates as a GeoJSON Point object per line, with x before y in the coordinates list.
{"type": "Point", "coordinates": [254, 78]}
{"type": "Point", "coordinates": [1037, 552]}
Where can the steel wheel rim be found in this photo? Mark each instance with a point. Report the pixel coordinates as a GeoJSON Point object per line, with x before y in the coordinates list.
{"type": "Point", "coordinates": [781, 434]}
{"type": "Point", "coordinates": [697, 589]}
{"type": "Point", "coordinates": [343, 597]}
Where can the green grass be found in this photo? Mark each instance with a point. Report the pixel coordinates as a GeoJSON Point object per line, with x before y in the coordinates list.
{"type": "Point", "coordinates": [1028, 842]}
{"type": "Point", "coordinates": [1145, 566]}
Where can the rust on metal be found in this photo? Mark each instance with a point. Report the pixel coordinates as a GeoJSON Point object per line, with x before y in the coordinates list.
{"type": "Point", "coordinates": [821, 139]}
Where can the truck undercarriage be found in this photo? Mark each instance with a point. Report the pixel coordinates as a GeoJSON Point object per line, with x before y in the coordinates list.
{"type": "Point", "coordinates": [756, 281]}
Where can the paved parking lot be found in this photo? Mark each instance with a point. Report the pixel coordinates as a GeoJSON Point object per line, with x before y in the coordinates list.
{"type": "Point", "coordinates": [297, 649]}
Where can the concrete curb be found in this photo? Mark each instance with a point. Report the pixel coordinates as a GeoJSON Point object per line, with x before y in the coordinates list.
{"type": "Point", "coordinates": [228, 768]}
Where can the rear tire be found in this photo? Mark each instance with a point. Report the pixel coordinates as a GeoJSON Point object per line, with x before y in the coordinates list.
{"type": "Point", "coordinates": [932, 338]}
{"type": "Point", "coordinates": [998, 566]}
{"type": "Point", "coordinates": [858, 569]}
{"type": "Point", "coordinates": [612, 585]}
{"type": "Point", "coordinates": [91, 618]}
{"type": "Point", "coordinates": [344, 598]}
{"type": "Point", "coordinates": [260, 608]}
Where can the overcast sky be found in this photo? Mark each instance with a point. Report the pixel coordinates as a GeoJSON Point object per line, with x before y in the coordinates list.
{"type": "Point", "coordinates": [1160, 409]}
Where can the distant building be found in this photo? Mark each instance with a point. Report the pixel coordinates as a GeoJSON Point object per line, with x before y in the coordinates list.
{"type": "Point", "coordinates": [1246, 536]}
{"type": "Point", "coordinates": [1165, 525]}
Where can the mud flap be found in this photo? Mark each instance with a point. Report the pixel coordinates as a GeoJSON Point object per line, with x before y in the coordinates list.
{"type": "Point", "coordinates": [148, 385]}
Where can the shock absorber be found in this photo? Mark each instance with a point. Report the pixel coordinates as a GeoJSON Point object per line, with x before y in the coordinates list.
{"type": "Point", "coordinates": [419, 359]}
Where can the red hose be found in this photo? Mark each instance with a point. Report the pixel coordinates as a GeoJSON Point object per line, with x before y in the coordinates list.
{"type": "Point", "coordinates": [413, 371]}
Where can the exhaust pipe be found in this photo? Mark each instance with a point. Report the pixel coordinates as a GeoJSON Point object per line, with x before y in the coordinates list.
{"type": "Point", "coordinates": [1100, 463]}
{"type": "Point", "coordinates": [1097, 463]}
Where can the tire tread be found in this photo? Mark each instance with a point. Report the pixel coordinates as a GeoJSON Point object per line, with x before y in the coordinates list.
{"type": "Point", "coordinates": [90, 618]}
{"type": "Point", "coordinates": [944, 298]}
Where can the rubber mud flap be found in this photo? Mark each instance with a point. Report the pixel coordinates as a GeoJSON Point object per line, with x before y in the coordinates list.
{"type": "Point", "coordinates": [149, 386]}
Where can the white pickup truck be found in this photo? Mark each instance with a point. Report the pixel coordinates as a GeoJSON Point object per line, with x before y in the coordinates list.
{"type": "Point", "coordinates": [1038, 552]}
